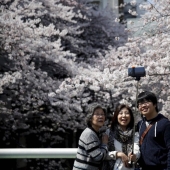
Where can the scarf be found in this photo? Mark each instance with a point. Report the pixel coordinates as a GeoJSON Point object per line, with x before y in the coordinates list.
{"type": "Point", "coordinates": [124, 137]}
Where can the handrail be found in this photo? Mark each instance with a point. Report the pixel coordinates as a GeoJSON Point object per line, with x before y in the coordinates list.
{"type": "Point", "coordinates": [17, 153]}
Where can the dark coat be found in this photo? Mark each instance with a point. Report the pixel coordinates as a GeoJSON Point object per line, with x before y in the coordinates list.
{"type": "Point", "coordinates": [155, 149]}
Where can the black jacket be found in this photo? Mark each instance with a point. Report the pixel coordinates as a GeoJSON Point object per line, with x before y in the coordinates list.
{"type": "Point", "coordinates": [155, 149]}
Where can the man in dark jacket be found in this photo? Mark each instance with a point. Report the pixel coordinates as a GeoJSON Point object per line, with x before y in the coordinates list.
{"type": "Point", "coordinates": [155, 144]}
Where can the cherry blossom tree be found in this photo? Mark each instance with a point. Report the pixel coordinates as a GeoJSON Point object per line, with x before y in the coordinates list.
{"type": "Point", "coordinates": [149, 48]}
{"type": "Point", "coordinates": [51, 70]}
{"type": "Point", "coordinates": [111, 83]}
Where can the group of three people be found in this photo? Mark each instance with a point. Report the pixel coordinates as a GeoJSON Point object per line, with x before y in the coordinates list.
{"type": "Point", "coordinates": [120, 147]}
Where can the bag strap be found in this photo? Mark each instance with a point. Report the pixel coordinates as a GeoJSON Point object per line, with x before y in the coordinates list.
{"type": "Point", "coordinates": [146, 131]}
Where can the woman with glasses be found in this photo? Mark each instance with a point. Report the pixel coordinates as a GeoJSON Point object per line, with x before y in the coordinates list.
{"type": "Point", "coordinates": [91, 150]}
{"type": "Point", "coordinates": [121, 141]}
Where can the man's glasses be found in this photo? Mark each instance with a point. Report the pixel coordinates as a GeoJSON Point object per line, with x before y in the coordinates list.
{"type": "Point", "coordinates": [140, 104]}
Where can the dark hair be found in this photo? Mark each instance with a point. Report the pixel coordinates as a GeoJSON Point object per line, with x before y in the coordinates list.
{"type": "Point", "coordinates": [147, 96]}
{"type": "Point", "coordinates": [118, 109]}
{"type": "Point", "coordinates": [91, 111]}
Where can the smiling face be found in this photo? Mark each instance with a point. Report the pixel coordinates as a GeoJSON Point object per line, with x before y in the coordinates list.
{"type": "Point", "coordinates": [147, 109]}
{"type": "Point", "coordinates": [123, 118]}
{"type": "Point", "coordinates": [98, 119]}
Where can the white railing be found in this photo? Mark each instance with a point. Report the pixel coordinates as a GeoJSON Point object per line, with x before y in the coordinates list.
{"type": "Point", "coordinates": [17, 153]}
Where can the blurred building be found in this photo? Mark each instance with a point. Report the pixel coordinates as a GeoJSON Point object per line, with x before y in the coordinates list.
{"type": "Point", "coordinates": [117, 4]}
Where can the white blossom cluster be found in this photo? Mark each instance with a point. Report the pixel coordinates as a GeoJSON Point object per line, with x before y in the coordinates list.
{"type": "Point", "coordinates": [150, 51]}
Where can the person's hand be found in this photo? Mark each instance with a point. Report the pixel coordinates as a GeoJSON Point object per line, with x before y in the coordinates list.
{"type": "Point", "coordinates": [132, 157]}
{"type": "Point", "coordinates": [124, 158]}
{"type": "Point", "coordinates": [105, 138]}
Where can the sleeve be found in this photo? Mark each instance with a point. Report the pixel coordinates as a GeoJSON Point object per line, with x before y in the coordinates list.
{"type": "Point", "coordinates": [111, 154]}
{"type": "Point", "coordinates": [167, 142]}
{"type": "Point", "coordinates": [136, 145]}
{"type": "Point", "coordinates": [95, 149]}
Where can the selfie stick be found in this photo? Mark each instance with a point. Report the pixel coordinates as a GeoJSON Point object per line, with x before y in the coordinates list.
{"type": "Point", "coordinates": [135, 72]}
{"type": "Point", "coordinates": [133, 132]}
{"type": "Point", "coordinates": [135, 112]}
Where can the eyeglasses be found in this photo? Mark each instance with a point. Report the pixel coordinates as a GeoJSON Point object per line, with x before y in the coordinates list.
{"type": "Point", "coordinates": [144, 102]}
{"type": "Point", "coordinates": [98, 115]}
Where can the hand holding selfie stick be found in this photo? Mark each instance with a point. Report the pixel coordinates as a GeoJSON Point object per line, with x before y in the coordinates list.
{"type": "Point", "coordinates": [136, 72]}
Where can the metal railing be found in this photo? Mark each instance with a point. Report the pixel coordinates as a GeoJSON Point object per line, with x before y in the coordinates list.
{"type": "Point", "coordinates": [23, 153]}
